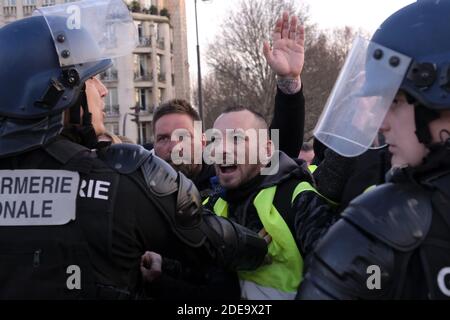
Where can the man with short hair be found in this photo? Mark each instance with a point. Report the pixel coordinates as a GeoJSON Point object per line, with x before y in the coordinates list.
{"type": "Point", "coordinates": [178, 114]}
{"type": "Point", "coordinates": [273, 195]}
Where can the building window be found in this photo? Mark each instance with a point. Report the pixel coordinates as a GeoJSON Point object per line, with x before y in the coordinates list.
{"type": "Point", "coordinates": [162, 77]}
{"type": "Point", "coordinates": [161, 97]}
{"type": "Point", "coordinates": [145, 132]}
{"type": "Point", "coordinates": [159, 64]}
{"type": "Point", "coordinates": [144, 39]}
{"type": "Point", "coordinates": [112, 102]}
{"type": "Point", "coordinates": [161, 44]}
{"type": "Point", "coordinates": [140, 29]}
{"type": "Point", "coordinates": [9, 8]}
{"type": "Point", "coordinates": [160, 68]}
{"type": "Point", "coordinates": [28, 7]}
{"type": "Point", "coordinates": [156, 26]}
{"type": "Point", "coordinates": [141, 72]}
{"type": "Point", "coordinates": [109, 75]}
{"type": "Point", "coordinates": [46, 3]}
{"type": "Point", "coordinates": [143, 99]}
{"type": "Point", "coordinates": [113, 128]}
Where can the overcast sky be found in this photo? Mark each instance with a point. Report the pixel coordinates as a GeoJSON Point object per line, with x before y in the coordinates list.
{"type": "Point", "coordinates": [365, 14]}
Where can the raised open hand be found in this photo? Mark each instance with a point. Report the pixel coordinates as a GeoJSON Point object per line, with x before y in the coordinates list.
{"type": "Point", "coordinates": [287, 55]}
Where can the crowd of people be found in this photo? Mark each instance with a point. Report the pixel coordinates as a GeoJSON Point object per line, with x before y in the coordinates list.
{"type": "Point", "coordinates": [245, 210]}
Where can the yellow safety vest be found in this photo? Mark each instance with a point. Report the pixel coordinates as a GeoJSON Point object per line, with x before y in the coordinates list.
{"type": "Point", "coordinates": [281, 278]}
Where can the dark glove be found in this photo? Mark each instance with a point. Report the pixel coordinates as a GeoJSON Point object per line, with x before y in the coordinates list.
{"type": "Point", "coordinates": [332, 175]}
{"type": "Point", "coordinates": [237, 247]}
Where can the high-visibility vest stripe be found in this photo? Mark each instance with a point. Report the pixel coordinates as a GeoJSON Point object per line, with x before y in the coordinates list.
{"type": "Point", "coordinates": [306, 186]}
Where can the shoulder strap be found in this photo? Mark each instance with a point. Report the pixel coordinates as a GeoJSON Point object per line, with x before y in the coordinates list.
{"type": "Point", "coordinates": [64, 150]}
{"type": "Point", "coordinates": [70, 155]}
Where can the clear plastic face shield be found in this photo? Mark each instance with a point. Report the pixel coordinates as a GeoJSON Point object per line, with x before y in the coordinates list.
{"type": "Point", "coordinates": [108, 23]}
{"type": "Point", "coordinates": [361, 97]}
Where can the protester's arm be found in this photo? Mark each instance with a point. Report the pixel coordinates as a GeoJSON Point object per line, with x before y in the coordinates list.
{"type": "Point", "coordinates": [314, 215]}
{"type": "Point", "coordinates": [289, 119]}
{"type": "Point", "coordinates": [332, 175]}
{"type": "Point", "coordinates": [286, 59]}
{"type": "Point", "coordinates": [309, 217]}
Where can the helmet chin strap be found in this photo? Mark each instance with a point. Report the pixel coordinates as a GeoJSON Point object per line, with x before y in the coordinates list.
{"type": "Point", "coordinates": [84, 128]}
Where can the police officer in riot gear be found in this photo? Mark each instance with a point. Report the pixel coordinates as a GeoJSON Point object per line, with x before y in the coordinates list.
{"type": "Point", "coordinates": [392, 242]}
{"type": "Point", "coordinates": [75, 222]}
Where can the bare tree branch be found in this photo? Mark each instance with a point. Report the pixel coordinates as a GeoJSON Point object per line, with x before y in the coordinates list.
{"type": "Point", "coordinates": [240, 75]}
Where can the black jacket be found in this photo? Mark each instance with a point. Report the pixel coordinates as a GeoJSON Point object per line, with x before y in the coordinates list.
{"type": "Point", "coordinates": [289, 119]}
{"type": "Point", "coordinates": [342, 179]}
{"type": "Point", "coordinates": [392, 242]}
{"type": "Point", "coordinates": [116, 221]}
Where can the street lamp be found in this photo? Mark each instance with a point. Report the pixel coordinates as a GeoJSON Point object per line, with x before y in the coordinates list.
{"type": "Point", "coordinates": [199, 69]}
